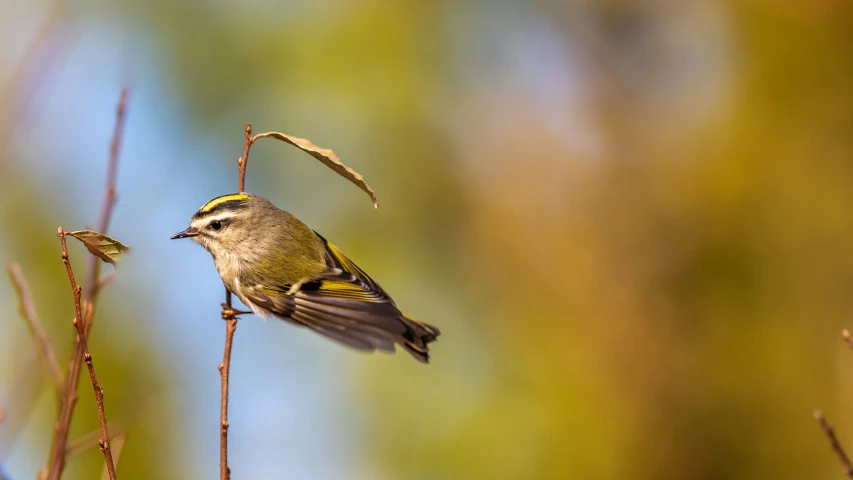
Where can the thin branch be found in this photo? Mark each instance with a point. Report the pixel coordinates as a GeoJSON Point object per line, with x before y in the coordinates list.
{"type": "Point", "coordinates": [109, 201]}
{"type": "Point", "coordinates": [229, 315]}
{"type": "Point", "coordinates": [69, 401]}
{"type": "Point", "coordinates": [243, 161]}
{"type": "Point", "coordinates": [63, 424]}
{"type": "Point", "coordinates": [846, 466]}
{"type": "Point", "coordinates": [28, 313]}
{"type": "Point", "coordinates": [81, 332]}
{"type": "Point", "coordinates": [2, 414]}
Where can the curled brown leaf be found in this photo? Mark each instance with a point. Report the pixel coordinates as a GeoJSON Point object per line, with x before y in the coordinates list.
{"type": "Point", "coordinates": [106, 248]}
{"type": "Point", "coordinates": [326, 156]}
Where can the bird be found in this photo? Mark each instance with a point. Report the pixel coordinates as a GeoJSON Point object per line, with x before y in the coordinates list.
{"type": "Point", "coordinates": [279, 267]}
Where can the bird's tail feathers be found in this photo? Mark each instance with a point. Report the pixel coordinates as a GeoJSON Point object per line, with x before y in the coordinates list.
{"type": "Point", "coordinates": [417, 336]}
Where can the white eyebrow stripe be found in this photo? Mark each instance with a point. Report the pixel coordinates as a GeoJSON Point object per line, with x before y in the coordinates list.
{"type": "Point", "coordinates": [218, 216]}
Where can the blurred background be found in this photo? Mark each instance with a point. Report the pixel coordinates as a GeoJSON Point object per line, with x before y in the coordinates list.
{"type": "Point", "coordinates": [631, 220]}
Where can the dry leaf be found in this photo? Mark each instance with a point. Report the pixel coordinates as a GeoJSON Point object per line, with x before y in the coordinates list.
{"type": "Point", "coordinates": [106, 248]}
{"type": "Point", "coordinates": [326, 156]}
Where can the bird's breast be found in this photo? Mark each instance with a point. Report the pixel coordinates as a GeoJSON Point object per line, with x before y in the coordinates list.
{"type": "Point", "coordinates": [229, 268]}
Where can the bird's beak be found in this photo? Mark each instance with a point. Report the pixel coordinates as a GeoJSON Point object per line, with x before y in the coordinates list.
{"type": "Point", "coordinates": [190, 232]}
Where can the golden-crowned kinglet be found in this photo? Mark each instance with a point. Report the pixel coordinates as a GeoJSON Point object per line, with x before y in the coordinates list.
{"type": "Point", "coordinates": [278, 266]}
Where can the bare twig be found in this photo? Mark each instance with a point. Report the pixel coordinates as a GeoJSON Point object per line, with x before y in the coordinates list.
{"type": "Point", "coordinates": [108, 203]}
{"type": "Point", "coordinates": [229, 315]}
{"type": "Point", "coordinates": [243, 161]}
{"type": "Point", "coordinates": [846, 466]}
{"type": "Point", "coordinates": [63, 424]}
{"type": "Point", "coordinates": [28, 313]}
{"type": "Point", "coordinates": [81, 332]}
{"type": "Point", "coordinates": [66, 411]}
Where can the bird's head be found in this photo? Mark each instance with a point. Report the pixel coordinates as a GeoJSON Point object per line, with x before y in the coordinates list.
{"type": "Point", "coordinates": [228, 222]}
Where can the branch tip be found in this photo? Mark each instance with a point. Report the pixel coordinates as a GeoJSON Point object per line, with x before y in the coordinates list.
{"type": "Point", "coordinates": [846, 466]}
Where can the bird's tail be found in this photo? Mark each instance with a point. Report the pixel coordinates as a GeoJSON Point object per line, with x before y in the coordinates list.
{"type": "Point", "coordinates": [418, 334]}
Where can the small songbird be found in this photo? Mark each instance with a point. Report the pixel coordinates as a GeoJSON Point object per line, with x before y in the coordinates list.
{"type": "Point", "coordinates": [278, 266]}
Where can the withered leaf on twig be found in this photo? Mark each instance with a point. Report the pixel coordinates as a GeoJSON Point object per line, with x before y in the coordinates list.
{"type": "Point", "coordinates": [326, 156]}
{"type": "Point", "coordinates": [106, 248]}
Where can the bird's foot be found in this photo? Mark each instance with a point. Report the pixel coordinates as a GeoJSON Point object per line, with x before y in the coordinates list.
{"type": "Point", "coordinates": [229, 313]}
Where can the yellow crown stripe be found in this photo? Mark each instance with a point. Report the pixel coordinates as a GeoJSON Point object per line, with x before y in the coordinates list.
{"type": "Point", "coordinates": [220, 200]}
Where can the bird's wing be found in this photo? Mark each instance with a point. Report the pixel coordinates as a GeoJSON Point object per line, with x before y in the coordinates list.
{"type": "Point", "coordinates": [345, 304]}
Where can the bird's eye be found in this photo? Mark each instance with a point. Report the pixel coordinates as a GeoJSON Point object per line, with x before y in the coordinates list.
{"type": "Point", "coordinates": [216, 225]}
